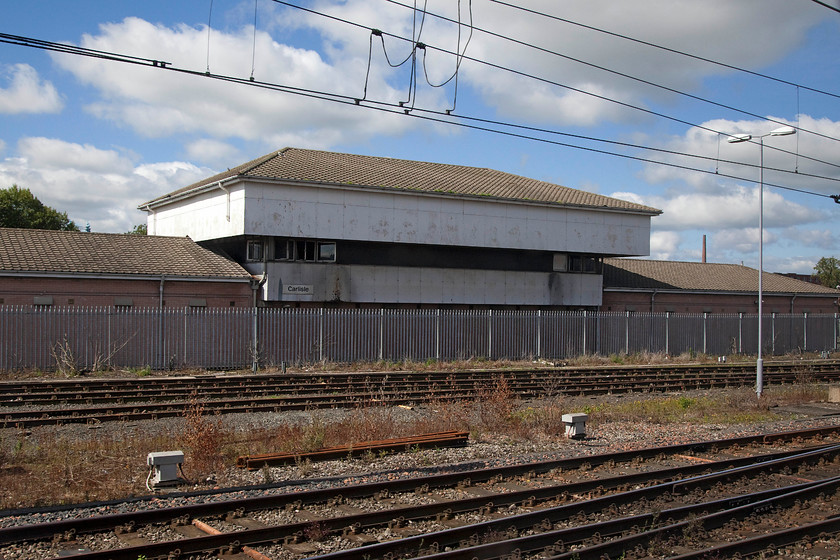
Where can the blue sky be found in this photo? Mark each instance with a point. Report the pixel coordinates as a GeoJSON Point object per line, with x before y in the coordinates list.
{"type": "Point", "coordinates": [95, 138]}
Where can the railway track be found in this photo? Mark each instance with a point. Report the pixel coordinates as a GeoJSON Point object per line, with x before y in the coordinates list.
{"type": "Point", "coordinates": [679, 500]}
{"type": "Point", "coordinates": [28, 404]}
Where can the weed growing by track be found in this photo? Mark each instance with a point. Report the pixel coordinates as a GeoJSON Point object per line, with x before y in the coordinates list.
{"type": "Point", "coordinates": [49, 465]}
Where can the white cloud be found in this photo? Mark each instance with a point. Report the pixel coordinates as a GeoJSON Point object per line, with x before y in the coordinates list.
{"type": "Point", "coordinates": [159, 103]}
{"type": "Point", "coordinates": [212, 151]}
{"type": "Point", "coordinates": [712, 29]}
{"type": "Point", "coordinates": [806, 156]}
{"type": "Point", "coordinates": [53, 154]}
{"type": "Point", "coordinates": [93, 185]}
{"type": "Point", "coordinates": [736, 209]}
{"type": "Point", "coordinates": [26, 93]}
{"type": "Point", "coordinates": [824, 239]}
{"type": "Point", "coordinates": [629, 197]}
{"type": "Point", "coordinates": [664, 245]}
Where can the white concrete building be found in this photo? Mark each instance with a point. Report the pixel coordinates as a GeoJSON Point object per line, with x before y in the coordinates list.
{"type": "Point", "coordinates": [322, 227]}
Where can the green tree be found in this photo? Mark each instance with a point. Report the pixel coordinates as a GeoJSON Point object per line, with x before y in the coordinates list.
{"type": "Point", "coordinates": [828, 271]}
{"type": "Point", "coordinates": [139, 229]}
{"type": "Point", "coordinates": [20, 208]}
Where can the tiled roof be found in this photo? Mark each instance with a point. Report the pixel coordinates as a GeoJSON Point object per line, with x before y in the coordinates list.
{"type": "Point", "coordinates": [72, 252]}
{"type": "Point", "coordinates": [313, 166]}
{"type": "Point", "coordinates": [697, 276]}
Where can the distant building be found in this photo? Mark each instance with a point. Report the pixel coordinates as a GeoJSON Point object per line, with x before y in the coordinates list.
{"type": "Point", "coordinates": [44, 268]}
{"type": "Point", "coordinates": [337, 229]}
{"type": "Point", "coordinates": [695, 287]}
{"type": "Point", "coordinates": [812, 278]}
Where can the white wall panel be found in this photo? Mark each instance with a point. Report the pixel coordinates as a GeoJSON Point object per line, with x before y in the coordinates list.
{"type": "Point", "coordinates": [201, 217]}
{"type": "Point", "coordinates": [409, 285]}
{"type": "Point", "coordinates": [405, 217]}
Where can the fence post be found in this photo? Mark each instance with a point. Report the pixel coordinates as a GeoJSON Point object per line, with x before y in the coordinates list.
{"type": "Point", "coordinates": [740, 334]}
{"type": "Point", "coordinates": [255, 344]}
{"type": "Point", "coordinates": [108, 353]}
{"type": "Point", "coordinates": [705, 315]}
{"type": "Point", "coordinates": [627, 332]}
{"type": "Point", "coordinates": [382, 334]}
{"type": "Point", "coordinates": [667, 332]}
{"type": "Point", "coordinates": [321, 334]}
{"type": "Point", "coordinates": [805, 332]}
{"type": "Point", "coordinates": [490, 334]}
{"type": "Point", "coordinates": [772, 333]}
{"type": "Point", "coordinates": [584, 333]}
{"type": "Point", "coordinates": [186, 330]}
{"type": "Point", "coordinates": [437, 334]}
{"type": "Point", "coordinates": [539, 331]}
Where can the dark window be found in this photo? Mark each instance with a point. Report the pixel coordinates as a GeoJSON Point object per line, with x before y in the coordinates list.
{"type": "Point", "coordinates": [284, 249]}
{"type": "Point", "coordinates": [582, 263]}
{"type": "Point", "coordinates": [326, 252]}
{"type": "Point", "coordinates": [255, 250]}
{"type": "Point", "coordinates": [305, 251]}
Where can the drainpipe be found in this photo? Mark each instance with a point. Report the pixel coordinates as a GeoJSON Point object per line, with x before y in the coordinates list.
{"type": "Point", "coordinates": [792, 299]}
{"type": "Point", "coordinates": [652, 300]}
{"type": "Point", "coordinates": [227, 197]}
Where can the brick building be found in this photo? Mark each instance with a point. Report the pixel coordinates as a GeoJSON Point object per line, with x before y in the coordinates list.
{"type": "Point", "coordinates": [39, 267]}
{"type": "Point", "coordinates": [696, 287]}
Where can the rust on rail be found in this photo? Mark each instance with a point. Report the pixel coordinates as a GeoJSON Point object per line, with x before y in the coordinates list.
{"type": "Point", "coordinates": [437, 439]}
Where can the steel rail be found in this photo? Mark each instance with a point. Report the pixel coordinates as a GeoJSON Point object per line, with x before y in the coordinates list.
{"type": "Point", "coordinates": [706, 522]}
{"type": "Point", "coordinates": [551, 540]}
{"type": "Point", "coordinates": [279, 403]}
{"type": "Point", "coordinates": [48, 396]}
{"type": "Point", "coordinates": [293, 379]}
{"type": "Point", "coordinates": [253, 537]}
{"type": "Point", "coordinates": [769, 542]}
{"type": "Point", "coordinates": [35, 531]}
{"type": "Point", "coordinates": [14, 534]}
{"type": "Point", "coordinates": [452, 537]}
{"type": "Point", "coordinates": [438, 439]}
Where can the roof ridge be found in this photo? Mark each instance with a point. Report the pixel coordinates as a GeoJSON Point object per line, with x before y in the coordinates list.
{"type": "Point", "coordinates": [325, 168]}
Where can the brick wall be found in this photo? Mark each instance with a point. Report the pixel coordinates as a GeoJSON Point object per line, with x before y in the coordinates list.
{"type": "Point", "coordinates": [137, 293]}
{"type": "Point", "coordinates": [715, 303]}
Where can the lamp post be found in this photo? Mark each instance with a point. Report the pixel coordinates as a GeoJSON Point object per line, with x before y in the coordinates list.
{"type": "Point", "coordinates": [734, 139]}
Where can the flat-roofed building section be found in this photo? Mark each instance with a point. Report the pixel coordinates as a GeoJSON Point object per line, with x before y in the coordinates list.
{"type": "Point", "coordinates": [329, 227]}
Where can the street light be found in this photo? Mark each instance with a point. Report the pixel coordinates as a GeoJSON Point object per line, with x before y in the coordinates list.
{"type": "Point", "coordinates": [734, 139]}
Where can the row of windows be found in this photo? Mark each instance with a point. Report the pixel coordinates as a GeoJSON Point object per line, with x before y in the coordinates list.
{"type": "Point", "coordinates": [307, 250]}
{"type": "Point", "coordinates": [291, 250]}
{"type": "Point", "coordinates": [576, 263]}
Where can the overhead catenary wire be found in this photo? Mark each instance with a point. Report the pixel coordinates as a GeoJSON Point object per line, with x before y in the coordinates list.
{"type": "Point", "coordinates": [554, 83]}
{"type": "Point", "coordinates": [254, 44]}
{"type": "Point", "coordinates": [392, 108]}
{"type": "Point", "coordinates": [424, 114]}
{"type": "Point", "coordinates": [668, 49]}
{"type": "Point", "coordinates": [824, 5]}
{"type": "Point", "coordinates": [209, 21]}
{"type": "Point", "coordinates": [458, 57]}
{"type": "Point", "coordinates": [415, 44]}
{"type": "Point", "coordinates": [630, 76]}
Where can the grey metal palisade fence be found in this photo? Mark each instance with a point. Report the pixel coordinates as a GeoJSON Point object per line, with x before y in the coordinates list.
{"type": "Point", "coordinates": [221, 338]}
